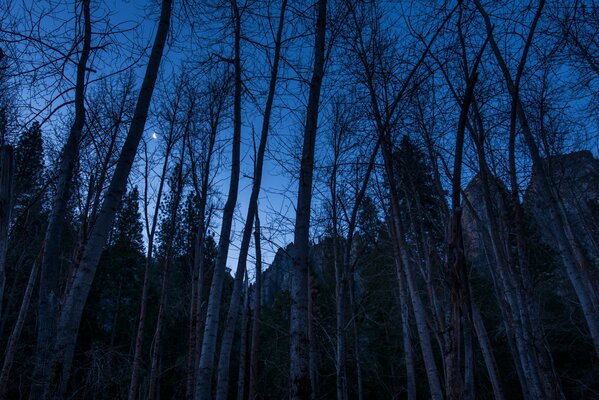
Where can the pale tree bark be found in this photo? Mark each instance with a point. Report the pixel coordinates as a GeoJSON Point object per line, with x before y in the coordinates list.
{"type": "Point", "coordinates": [50, 265]}
{"type": "Point", "coordinates": [572, 256]}
{"type": "Point", "coordinates": [301, 388]}
{"type": "Point", "coordinates": [506, 288]}
{"type": "Point", "coordinates": [508, 277]}
{"type": "Point", "coordinates": [6, 173]}
{"type": "Point", "coordinates": [11, 345]}
{"type": "Point", "coordinates": [70, 316]}
{"type": "Point", "coordinates": [405, 268]}
{"type": "Point", "coordinates": [515, 286]}
{"type": "Point", "coordinates": [383, 120]}
{"type": "Point", "coordinates": [487, 352]}
{"type": "Point", "coordinates": [201, 186]}
{"type": "Point", "coordinates": [255, 345]}
{"type": "Point", "coordinates": [233, 313]}
{"type": "Point", "coordinates": [206, 366]}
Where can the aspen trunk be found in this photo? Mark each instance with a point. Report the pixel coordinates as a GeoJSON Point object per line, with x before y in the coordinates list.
{"type": "Point", "coordinates": [195, 326]}
{"type": "Point", "coordinates": [486, 350]}
{"type": "Point", "coordinates": [50, 265]}
{"type": "Point", "coordinates": [206, 366]}
{"type": "Point", "coordinates": [340, 279]}
{"type": "Point", "coordinates": [300, 313]}
{"type": "Point", "coordinates": [570, 252]}
{"type": "Point", "coordinates": [70, 316]}
{"type": "Point", "coordinates": [233, 313]}
{"type": "Point", "coordinates": [404, 266]}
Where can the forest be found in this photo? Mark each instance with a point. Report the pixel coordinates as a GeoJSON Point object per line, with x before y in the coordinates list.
{"type": "Point", "coordinates": [307, 199]}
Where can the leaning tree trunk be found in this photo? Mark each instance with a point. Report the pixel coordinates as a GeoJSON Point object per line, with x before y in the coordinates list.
{"type": "Point", "coordinates": [300, 313]}
{"type": "Point", "coordinates": [572, 256]}
{"type": "Point", "coordinates": [487, 352]}
{"type": "Point", "coordinates": [75, 299]}
{"type": "Point", "coordinates": [405, 266]}
{"type": "Point", "coordinates": [50, 266]}
{"type": "Point", "coordinates": [456, 263]}
{"type": "Point", "coordinates": [228, 335]}
{"type": "Point", "coordinates": [206, 367]}
{"type": "Point", "coordinates": [6, 173]}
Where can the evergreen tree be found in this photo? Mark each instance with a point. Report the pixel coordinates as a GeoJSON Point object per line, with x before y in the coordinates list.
{"type": "Point", "coordinates": [29, 171]}
{"type": "Point", "coordinates": [113, 299]}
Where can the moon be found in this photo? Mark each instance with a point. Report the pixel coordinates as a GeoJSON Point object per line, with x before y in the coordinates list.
{"type": "Point", "coordinates": [154, 135]}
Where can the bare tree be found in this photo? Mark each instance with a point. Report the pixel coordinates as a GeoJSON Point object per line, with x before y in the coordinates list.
{"type": "Point", "coordinates": [70, 315]}
{"type": "Point", "coordinates": [49, 277]}
{"type": "Point", "coordinates": [218, 91]}
{"type": "Point", "coordinates": [204, 382]}
{"type": "Point", "coordinates": [301, 387]}
{"type": "Point", "coordinates": [573, 257]}
{"type": "Point", "coordinates": [227, 341]}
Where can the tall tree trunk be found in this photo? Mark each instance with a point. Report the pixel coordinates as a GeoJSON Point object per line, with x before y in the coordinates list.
{"type": "Point", "coordinates": [515, 285]}
{"type": "Point", "coordinates": [255, 345]}
{"type": "Point", "coordinates": [6, 173]}
{"type": "Point", "coordinates": [50, 266]}
{"type": "Point", "coordinates": [300, 313]}
{"type": "Point", "coordinates": [487, 351]}
{"type": "Point", "coordinates": [572, 256]}
{"type": "Point", "coordinates": [456, 263]}
{"type": "Point", "coordinates": [70, 316]}
{"type": "Point", "coordinates": [11, 345]}
{"type": "Point", "coordinates": [233, 313]}
{"type": "Point", "coordinates": [405, 266]}
{"type": "Point", "coordinates": [195, 326]}
{"type": "Point", "coordinates": [340, 276]}
{"type": "Point", "coordinates": [206, 367]}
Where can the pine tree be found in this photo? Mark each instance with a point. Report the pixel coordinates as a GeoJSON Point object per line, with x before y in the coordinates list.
{"type": "Point", "coordinates": [29, 171]}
